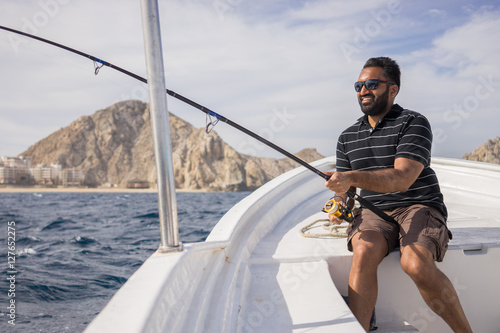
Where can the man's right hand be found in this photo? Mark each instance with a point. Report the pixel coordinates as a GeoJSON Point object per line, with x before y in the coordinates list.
{"type": "Point", "coordinates": [334, 219]}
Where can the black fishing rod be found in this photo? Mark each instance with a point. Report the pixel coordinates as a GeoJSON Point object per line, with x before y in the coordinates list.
{"type": "Point", "coordinates": [98, 63]}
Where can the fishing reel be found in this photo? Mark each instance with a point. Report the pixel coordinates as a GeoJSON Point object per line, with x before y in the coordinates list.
{"type": "Point", "coordinates": [341, 212]}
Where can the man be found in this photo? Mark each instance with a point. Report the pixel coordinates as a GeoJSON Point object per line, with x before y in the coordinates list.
{"type": "Point", "coordinates": [386, 154]}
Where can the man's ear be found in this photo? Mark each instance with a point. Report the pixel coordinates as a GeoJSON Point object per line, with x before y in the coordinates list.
{"type": "Point", "coordinates": [393, 90]}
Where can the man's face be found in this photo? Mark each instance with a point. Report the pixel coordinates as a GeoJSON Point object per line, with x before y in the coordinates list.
{"type": "Point", "coordinates": [373, 102]}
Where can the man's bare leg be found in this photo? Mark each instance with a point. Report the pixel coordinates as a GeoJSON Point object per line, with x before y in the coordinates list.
{"type": "Point", "coordinates": [435, 288]}
{"type": "Point", "coordinates": [369, 248]}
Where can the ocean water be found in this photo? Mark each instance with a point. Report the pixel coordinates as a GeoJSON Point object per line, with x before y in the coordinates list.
{"type": "Point", "coordinates": [73, 251]}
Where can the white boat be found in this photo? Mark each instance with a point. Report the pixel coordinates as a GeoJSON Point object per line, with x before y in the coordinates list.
{"type": "Point", "coordinates": [256, 272]}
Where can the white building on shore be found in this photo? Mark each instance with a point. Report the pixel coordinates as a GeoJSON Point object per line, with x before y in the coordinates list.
{"type": "Point", "coordinates": [18, 171]}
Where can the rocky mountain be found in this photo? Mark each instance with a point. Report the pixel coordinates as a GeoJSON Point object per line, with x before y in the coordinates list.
{"type": "Point", "coordinates": [115, 146]}
{"type": "Point", "coordinates": [487, 152]}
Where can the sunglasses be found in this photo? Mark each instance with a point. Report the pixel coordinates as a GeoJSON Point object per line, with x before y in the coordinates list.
{"type": "Point", "coordinates": [371, 84]}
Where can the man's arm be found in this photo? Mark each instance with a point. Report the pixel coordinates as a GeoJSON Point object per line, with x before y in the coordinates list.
{"type": "Point", "coordinates": [399, 178]}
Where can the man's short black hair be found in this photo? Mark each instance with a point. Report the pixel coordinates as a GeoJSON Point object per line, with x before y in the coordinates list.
{"type": "Point", "coordinates": [390, 67]}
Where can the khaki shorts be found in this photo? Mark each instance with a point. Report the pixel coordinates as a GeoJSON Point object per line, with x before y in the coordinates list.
{"type": "Point", "coordinates": [418, 224]}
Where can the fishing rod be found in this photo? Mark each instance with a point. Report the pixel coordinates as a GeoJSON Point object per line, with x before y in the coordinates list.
{"type": "Point", "coordinates": [99, 63]}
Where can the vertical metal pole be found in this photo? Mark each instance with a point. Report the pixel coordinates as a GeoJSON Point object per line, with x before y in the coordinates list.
{"type": "Point", "coordinates": [167, 203]}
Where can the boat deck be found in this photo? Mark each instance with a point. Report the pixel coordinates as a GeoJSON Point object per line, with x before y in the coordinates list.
{"type": "Point", "coordinates": [288, 268]}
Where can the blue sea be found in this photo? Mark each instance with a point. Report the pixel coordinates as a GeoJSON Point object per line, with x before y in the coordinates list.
{"type": "Point", "coordinates": [73, 251]}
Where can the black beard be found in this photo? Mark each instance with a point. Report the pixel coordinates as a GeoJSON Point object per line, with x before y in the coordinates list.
{"type": "Point", "coordinates": [378, 106]}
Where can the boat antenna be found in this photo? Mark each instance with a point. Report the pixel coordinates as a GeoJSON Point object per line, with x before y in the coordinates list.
{"type": "Point", "coordinates": [98, 63]}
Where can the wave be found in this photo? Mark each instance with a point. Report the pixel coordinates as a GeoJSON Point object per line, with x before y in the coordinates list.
{"type": "Point", "coordinates": [145, 241]}
{"type": "Point", "coordinates": [28, 240]}
{"type": "Point", "coordinates": [109, 281]}
{"type": "Point", "coordinates": [47, 292]}
{"type": "Point", "coordinates": [83, 241]}
{"type": "Point", "coordinates": [62, 224]}
{"type": "Point", "coordinates": [197, 235]}
{"type": "Point", "coordinates": [25, 252]}
{"type": "Point", "coordinates": [147, 216]}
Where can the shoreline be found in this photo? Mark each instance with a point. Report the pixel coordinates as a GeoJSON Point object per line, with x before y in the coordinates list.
{"type": "Point", "coordinates": [86, 190]}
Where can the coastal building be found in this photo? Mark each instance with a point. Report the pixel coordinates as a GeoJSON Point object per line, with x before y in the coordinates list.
{"type": "Point", "coordinates": [15, 170]}
{"type": "Point", "coordinates": [18, 171]}
{"type": "Point", "coordinates": [72, 177]}
{"type": "Point", "coordinates": [47, 175]}
{"type": "Point", "coordinates": [15, 176]}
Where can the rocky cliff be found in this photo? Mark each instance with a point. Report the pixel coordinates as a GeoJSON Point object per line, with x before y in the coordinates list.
{"type": "Point", "coordinates": [115, 146]}
{"type": "Point", "coordinates": [487, 152]}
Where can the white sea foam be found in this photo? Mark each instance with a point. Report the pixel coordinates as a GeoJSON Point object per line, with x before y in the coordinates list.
{"type": "Point", "coordinates": [26, 251]}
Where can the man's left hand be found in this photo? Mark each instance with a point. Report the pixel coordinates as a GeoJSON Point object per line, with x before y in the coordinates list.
{"type": "Point", "coordinates": [339, 182]}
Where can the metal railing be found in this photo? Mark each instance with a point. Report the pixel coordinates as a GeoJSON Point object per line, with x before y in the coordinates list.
{"type": "Point", "coordinates": [167, 202]}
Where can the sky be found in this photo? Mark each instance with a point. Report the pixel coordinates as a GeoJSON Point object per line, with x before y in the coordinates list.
{"type": "Point", "coordinates": [284, 69]}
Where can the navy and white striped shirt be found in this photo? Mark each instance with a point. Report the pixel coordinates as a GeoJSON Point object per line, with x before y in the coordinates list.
{"type": "Point", "coordinates": [400, 133]}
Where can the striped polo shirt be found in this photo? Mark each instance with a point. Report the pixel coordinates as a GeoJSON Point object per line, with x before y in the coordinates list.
{"type": "Point", "coordinates": [400, 133]}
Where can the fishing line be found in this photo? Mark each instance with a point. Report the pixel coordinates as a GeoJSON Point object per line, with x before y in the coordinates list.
{"type": "Point", "coordinates": [99, 63]}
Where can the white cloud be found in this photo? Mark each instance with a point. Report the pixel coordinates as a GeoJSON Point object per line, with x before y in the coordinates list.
{"type": "Point", "coordinates": [437, 14]}
{"type": "Point", "coordinates": [458, 82]}
{"type": "Point", "coordinates": [472, 44]}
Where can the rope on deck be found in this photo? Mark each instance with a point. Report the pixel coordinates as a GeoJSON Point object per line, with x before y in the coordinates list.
{"type": "Point", "coordinates": [333, 230]}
